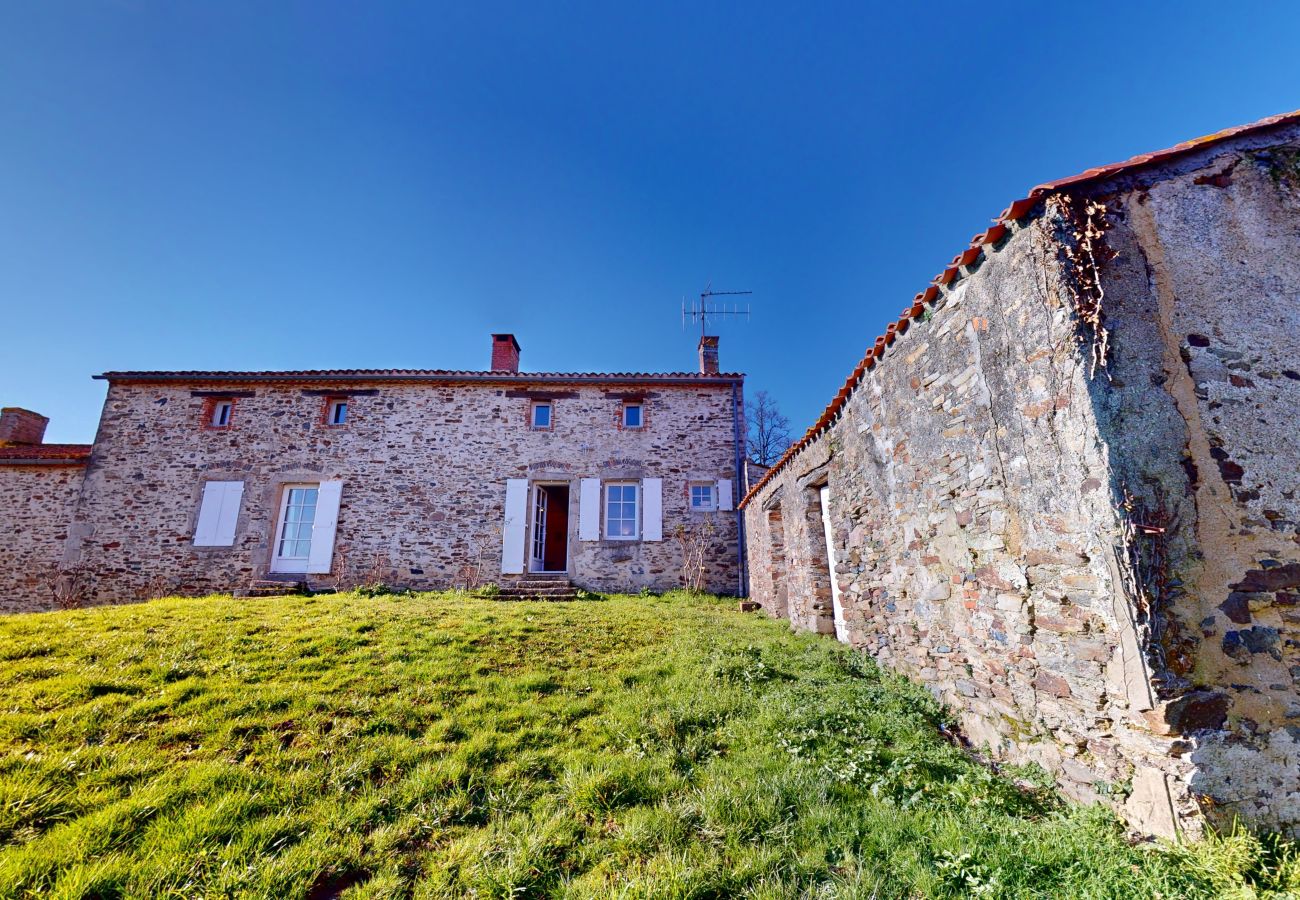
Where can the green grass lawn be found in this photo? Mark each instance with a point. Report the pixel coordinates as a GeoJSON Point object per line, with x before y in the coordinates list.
{"type": "Point", "coordinates": [439, 746]}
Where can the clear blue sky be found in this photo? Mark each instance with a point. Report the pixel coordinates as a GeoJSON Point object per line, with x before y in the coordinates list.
{"type": "Point", "coordinates": [273, 185]}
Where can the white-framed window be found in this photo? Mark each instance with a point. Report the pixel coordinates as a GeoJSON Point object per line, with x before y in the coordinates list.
{"type": "Point", "coordinates": [336, 411]}
{"type": "Point", "coordinates": [622, 510]}
{"type": "Point", "coordinates": [297, 521]}
{"type": "Point", "coordinates": [540, 415]}
{"type": "Point", "coordinates": [221, 413]}
{"type": "Point", "coordinates": [704, 496]}
{"type": "Point", "coordinates": [633, 415]}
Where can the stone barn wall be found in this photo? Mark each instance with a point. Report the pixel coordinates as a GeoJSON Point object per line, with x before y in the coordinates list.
{"type": "Point", "coordinates": [37, 505]}
{"type": "Point", "coordinates": [1085, 539]}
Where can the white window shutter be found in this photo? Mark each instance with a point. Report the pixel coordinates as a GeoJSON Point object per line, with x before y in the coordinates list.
{"type": "Point", "coordinates": [724, 494]}
{"type": "Point", "coordinates": [321, 559]}
{"type": "Point", "coordinates": [513, 530]}
{"type": "Point", "coordinates": [652, 515]}
{"type": "Point", "coordinates": [589, 510]}
{"type": "Point", "coordinates": [218, 513]}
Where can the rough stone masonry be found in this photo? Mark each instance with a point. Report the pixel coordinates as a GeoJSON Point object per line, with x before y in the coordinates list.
{"type": "Point", "coordinates": [202, 482]}
{"type": "Point", "coordinates": [1062, 491]}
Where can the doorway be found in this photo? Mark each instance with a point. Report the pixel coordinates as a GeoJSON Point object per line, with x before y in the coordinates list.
{"type": "Point", "coordinates": [295, 526]}
{"type": "Point", "coordinates": [828, 535]}
{"type": "Point", "coordinates": [549, 547]}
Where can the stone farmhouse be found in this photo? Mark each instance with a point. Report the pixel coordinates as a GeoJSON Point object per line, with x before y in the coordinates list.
{"type": "Point", "coordinates": [203, 482]}
{"type": "Point", "coordinates": [1063, 489]}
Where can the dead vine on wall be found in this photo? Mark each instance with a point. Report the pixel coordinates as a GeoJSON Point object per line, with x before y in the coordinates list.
{"type": "Point", "coordinates": [1082, 240]}
{"type": "Point", "coordinates": [1170, 650]}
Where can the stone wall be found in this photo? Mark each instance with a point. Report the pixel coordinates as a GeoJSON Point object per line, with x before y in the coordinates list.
{"type": "Point", "coordinates": [38, 504]}
{"type": "Point", "coordinates": [423, 467]}
{"type": "Point", "coordinates": [1095, 565]}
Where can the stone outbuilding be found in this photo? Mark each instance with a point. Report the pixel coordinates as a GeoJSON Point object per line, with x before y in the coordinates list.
{"type": "Point", "coordinates": [1063, 489]}
{"type": "Point", "coordinates": [203, 482]}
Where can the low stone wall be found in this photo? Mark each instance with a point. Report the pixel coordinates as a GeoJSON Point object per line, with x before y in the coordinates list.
{"type": "Point", "coordinates": [1084, 539]}
{"type": "Point", "coordinates": [38, 504]}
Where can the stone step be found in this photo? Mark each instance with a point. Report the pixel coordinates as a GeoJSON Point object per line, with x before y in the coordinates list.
{"type": "Point", "coordinates": [274, 587]}
{"type": "Point", "coordinates": [548, 598]}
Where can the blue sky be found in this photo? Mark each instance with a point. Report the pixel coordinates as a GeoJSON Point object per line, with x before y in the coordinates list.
{"type": "Point", "coordinates": [253, 185]}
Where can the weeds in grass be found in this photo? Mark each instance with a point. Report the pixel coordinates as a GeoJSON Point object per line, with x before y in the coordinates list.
{"type": "Point", "coordinates": [448, 746]}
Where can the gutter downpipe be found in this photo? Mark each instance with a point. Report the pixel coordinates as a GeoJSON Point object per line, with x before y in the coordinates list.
{"type": "Point", "coordinates": [742, 575]}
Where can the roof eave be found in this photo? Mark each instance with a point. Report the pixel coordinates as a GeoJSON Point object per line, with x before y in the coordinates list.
{"type": "Point", "coordinates": [415, 378]}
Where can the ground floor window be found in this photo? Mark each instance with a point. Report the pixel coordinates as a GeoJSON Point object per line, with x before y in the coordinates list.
{"type": "Point", "coordinates": [297, 521]}
{"type": "Point", "coordinates": [622, 502]}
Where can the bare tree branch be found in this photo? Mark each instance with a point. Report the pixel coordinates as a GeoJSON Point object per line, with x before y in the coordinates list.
{"type": "Point", "coordinates": [768, 430]}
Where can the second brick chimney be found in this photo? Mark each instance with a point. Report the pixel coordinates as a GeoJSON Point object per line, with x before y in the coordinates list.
{"type": "Point", "coordinates": [21, 426]}
{"type": "Point", "coordinates": [709, 355]}
{"type": "Point", "coordinates": [505, 353]}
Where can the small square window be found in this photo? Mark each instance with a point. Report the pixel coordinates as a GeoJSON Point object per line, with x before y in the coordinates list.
{"type": "Point", "coordinates": [704, 497]}
{"type": "Point", "coordinates": [632, 417]}
{"type": "Point", "coordinates": [541, 415]}
{"type": "Point", "coordinates": [336, 412]}
{"type": "Point", "coordinates": [221, 413]}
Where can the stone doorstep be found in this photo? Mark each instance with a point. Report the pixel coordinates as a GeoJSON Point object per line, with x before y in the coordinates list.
{"type": "Point", "coordinates": [539, 586]}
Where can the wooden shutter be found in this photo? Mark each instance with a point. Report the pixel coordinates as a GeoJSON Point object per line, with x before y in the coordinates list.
{"type": "Point", "coordinates": [652, 514]}
{"type": "Point", "coordinates": [513, 530]}
{"type": "Point", "coordinates": [724, 494]}
{"type": "Point", "coordinates": [218, 513]}
{"type": "Point", "coordinates": [321, 558]}
{"type": "Point", "coordinates": [589, 510]}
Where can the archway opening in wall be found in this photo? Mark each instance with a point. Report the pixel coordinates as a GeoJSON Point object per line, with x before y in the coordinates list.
{"type": "Point", "coordinates": [776, 561]}
{"type": "Point", "coordinates": [822, 535]}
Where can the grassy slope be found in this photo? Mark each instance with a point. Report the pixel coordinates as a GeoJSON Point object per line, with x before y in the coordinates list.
{"type": "Point", "coordinates": [444, 746]}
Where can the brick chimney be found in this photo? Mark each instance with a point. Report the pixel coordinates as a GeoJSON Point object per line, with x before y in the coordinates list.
{"type": "Point", "coordinates": [505, 353]}
{"type": "Point", "coordinates": [709, 354]}
{"type": "Point", "coordinates": [21, 426]}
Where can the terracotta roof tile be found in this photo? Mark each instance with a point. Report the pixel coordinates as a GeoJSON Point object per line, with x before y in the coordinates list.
{"type": "Point", "coordinates": [1017, 210]}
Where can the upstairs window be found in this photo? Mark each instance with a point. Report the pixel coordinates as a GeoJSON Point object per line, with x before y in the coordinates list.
{"type": "Point", "coordinates": [221, 413]}
{"type": "Point", "coordinates": [622, 502]}
{"type": "Point", "coordinates": [704, 497]}
{"type": "Point", "coordinates": [540, 415]}
{"type": "Point", "coordinates": [633, 415]}
{"type": "Point", "coordinates": [336, 411]}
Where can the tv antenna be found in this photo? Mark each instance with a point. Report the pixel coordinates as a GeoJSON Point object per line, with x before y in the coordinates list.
{"type": "Point", "coordinates": [705, 308]}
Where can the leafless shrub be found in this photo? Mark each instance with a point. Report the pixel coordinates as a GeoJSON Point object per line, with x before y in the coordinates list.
{"type": "Point", "coordinates": [339, 576]}
{"type": "Point", "coordinates": [470, 575]}
{"type": "Point", "coordinates": [696, 542]}
{"type": "Point", "coordinates": [156, 587]}
{"type": "Point", "coordinates": [380, 571]}
{"type": "Point", "coordinates": [69, 586]}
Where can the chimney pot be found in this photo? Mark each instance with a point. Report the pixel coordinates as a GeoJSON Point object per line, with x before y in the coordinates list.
{"type": "Point", "coordinates": [709, 354]}
{"type": "Point", "coordinates": [505, 353]}
{"type": "Point", "coordinates": [21, 426]}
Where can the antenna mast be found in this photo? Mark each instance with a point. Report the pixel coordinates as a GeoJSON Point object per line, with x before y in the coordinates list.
{"type": "Point", "coordinates": [704, 309]}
